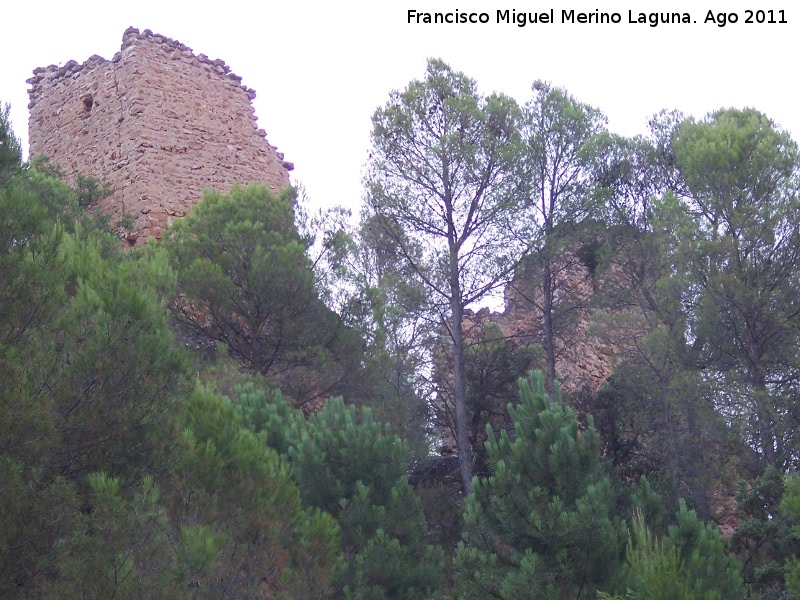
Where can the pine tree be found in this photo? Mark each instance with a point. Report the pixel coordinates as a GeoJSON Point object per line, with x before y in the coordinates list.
{"type": "Point", "coordinates": [439, 183]}
{"type": "Point", "coordinates": [738, 262]}
{"type": "Point", "coordinates": [10, 147]}
{"type": "Point", "coordinates": [245, 531]}
{"type": "Point", "coordinates": [244, 280]}
{"type": "Point", "coordinates": [127, 546]}
{"type": "Point", "coordinates": [766, 539]}
{"type": "Point", "coordinates": [88, 375]}
{"type": "Point", "coordinates": [690, 562]}
{"type": "Point", "coordinates": [355, 470]}
{"type": "Point", "coordinates": [541, 525]}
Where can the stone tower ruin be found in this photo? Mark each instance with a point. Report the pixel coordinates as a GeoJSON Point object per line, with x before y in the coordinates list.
{"type": "Point", "coordinates": [157, 123]}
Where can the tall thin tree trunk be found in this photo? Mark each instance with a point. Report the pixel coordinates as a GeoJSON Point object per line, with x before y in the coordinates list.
{"type": "Point", "coordinates": [548, 333]}
{"type": "Point", "coordinates": [766, 424]}
{"type": "Point", "coordinates": [758, 379]}
{"type": "Point", "coordinates": [460, 393]}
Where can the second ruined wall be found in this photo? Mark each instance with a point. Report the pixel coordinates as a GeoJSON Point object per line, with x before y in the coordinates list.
{"type": "Point", "coordinates": [158, 123]}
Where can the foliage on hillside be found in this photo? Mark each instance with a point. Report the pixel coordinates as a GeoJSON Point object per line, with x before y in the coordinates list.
{"type": "Point", "coordinates": [166, 420]}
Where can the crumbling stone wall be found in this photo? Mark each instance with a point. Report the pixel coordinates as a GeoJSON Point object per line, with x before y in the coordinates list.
{"type": "Point", "coordinates": [157, 123]}
{"type": "Point", "coordinates": [584, 359]}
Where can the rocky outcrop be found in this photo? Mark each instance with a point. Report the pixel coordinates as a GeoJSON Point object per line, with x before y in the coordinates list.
{"type": "Point", "coordinates": [157, 123]}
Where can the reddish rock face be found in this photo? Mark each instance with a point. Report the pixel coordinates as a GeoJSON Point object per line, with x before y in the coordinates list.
{"type": "Point", "coordinates": [157, 123]}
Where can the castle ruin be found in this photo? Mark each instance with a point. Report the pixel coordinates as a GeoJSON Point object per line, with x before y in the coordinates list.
{"type": "Point", "coordinates": [584, 360]}
{"type": "Point", "coordinates": [157, 123]}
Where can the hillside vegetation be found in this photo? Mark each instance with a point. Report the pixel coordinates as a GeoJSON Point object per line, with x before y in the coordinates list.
{"type": "Point", "coordinates": [252, 407]}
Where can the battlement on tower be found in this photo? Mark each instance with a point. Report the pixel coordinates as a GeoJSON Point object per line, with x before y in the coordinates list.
{"type": "Point", "coordinates": [157, 123]}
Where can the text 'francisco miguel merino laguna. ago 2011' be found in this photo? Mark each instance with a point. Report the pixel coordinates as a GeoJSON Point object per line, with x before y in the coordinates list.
{"type": "Point", "coordinates": [652, 19]}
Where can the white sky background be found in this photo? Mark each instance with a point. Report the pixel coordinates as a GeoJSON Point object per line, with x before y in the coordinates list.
{"type": "Point", "coordinates": [322, 68]}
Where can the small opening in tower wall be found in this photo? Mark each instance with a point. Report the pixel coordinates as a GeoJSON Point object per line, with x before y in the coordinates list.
{"type": "Point", "coordinates": [88, 102]}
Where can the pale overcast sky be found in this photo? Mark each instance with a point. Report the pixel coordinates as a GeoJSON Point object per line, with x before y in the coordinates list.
{"type": "Point", "coordinates": [321, 68]}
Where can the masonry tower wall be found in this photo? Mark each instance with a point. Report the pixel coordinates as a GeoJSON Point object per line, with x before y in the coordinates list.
{"type": "Point", "coordinates": [157, 123]}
